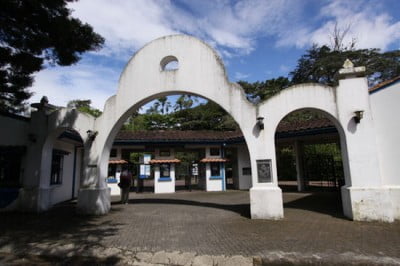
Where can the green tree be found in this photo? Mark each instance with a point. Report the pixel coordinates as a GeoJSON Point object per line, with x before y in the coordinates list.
{"type": "Point", "coordinates": [184, 101]}
{"type": "Point", "coordinates": [262, 90]}
{"type": "Point", "coordinates": [35, 34]}
{"type": "Point", "coordinates": [85, 107]}
{"type": "Point", "coordinates": [209, 116]}
{"type": "Point", "coordinates": [321, 64]}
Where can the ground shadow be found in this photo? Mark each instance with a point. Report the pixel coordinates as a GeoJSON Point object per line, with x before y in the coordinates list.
{"type": "Point", "coordinates": [45, 233]}
{"type": "Point", "coordinates": [329, 203]}
{"type": "Point", "coordinates": [241, 209]}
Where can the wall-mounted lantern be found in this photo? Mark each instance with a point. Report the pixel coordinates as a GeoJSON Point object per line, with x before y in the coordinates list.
{"type": "Point", "coordinates": [92, 134]}
{"type": "Point", "coordinates": [260, 122]}
{"type": "Point", "coordinates": [358, 115]}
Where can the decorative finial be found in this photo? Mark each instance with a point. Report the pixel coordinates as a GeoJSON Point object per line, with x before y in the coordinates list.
{"type": "Point", "coordinates": [348, 64]}
{"type": "Point", "coordinates": [44, 100]}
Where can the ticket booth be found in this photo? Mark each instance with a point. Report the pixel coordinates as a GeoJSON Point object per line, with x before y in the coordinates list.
{"type": "Point", "coordinates": [215, 169]}
{"type": "Point", "coordinates": [164, 170]}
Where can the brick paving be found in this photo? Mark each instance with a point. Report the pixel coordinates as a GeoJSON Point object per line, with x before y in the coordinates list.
{"type": "Point", "coordinates": [211, 224]}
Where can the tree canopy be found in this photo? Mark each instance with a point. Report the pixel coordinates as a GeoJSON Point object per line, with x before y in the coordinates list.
{"type": "Point", "coordinates": [208, 116]}
{"type": "Point", "coordinates": [84, 106]}
{"type": "Point", "coordinates": [320, 64]}
{"type": "Point", "coordinates": [35, 34]}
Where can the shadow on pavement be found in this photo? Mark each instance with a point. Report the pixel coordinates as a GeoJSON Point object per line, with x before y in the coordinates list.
{"type": "Point", "coordinates": [28, 259]}
{"type": "Point", "coordinates": [242, 209]}
{"type": "Point", "coordinates": [329, 203]}
{"type": "Point", "coordinates": [53, 232]}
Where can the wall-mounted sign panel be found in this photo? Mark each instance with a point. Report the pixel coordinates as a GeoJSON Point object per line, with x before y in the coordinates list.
{"type": "Point", "coordinates": [264, 171]}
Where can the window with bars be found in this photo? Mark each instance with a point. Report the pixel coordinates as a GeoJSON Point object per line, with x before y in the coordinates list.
{"type": "Point", "coordinates": [56, 168]}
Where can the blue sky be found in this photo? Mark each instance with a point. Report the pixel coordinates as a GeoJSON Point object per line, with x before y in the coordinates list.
{"type": "Point", "coordinates": [257, 39]}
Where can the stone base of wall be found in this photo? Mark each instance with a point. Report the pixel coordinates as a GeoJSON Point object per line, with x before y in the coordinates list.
{"type": "Point", "coordinates": [371, 204]}
{"type": "Point", "coordinates": [266, 203]}
{"type": "Point", "coordinates": [94, 201]}
{"type": "Point", "coordinates": [34, 199]}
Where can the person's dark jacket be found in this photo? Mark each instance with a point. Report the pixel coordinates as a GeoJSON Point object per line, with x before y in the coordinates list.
{"type": "Point", "coordinates": [125, 181]}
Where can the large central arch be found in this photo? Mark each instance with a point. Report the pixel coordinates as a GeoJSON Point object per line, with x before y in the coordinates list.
{"type": "Point", "coordinates": [144, 78]}
{"type": "Point", "coordinates": [198, 70]}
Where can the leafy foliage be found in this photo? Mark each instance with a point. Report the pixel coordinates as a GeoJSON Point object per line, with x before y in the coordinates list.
{"type": "Point", "coordinates": [263, 90]}
{"type": "Point", "coordinates": [209, 116]}
{"type": "Point", "coordinates": [85, 107]}
{"type": "Point", "coordinates": [35, 33]}
{"type": "Point", "coordinates": [321, 65]}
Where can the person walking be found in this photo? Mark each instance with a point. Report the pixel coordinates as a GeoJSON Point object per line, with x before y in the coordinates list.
{"type": "Point", "coordinates": [125, 185]}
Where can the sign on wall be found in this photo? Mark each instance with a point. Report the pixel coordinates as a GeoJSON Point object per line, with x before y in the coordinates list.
{"type": "Point", "coordinates": [145, 171]}
{"type": "Point", "coordinates": [195, 169]}
{"type": "Point", "coordinates": [264, 171]}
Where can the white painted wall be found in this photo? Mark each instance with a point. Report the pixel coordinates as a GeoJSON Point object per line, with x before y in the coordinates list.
{"type": "Point", "coordinates": [386, 114]}
{"type": "Point", "coordinates": [243, 161]}
{"type": "Point", "coordinates": [78, 173]}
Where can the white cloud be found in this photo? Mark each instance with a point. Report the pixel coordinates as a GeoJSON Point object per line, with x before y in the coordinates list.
{"type": "Point", "coordinates": [128, 25]}
{"type": "Point", "coordinates": [369, 26]}
{"type": "Point", "coordinates": [284, 69]}
{"type": "Point", "coordinates": [62, 84]}
{"type": "Point", "coordinates": [241, 76]}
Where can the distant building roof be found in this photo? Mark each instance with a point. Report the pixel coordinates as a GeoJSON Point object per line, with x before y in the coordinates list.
{"type": "Point", "coordinates": [303, 125]}
{"type": "Point", "coordinates": [161, 161]}
{"type": "Point", "coordinates": [213, 160]}
{"type": "Point", "coordinates": [117, 162]}
{"type": "Point", "coordinates": [187, 136]}
{"type": "Point", "coordinates": [383, 84]}
{"type": "Point", "coordinates": [285, 129]}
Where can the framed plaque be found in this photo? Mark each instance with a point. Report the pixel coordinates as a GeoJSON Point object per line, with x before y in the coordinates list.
{"type": "Point", "coordinates": [264, 171]}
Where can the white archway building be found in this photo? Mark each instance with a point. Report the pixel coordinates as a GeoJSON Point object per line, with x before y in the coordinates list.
{"type": "Point", "coordinates": [201, 72]}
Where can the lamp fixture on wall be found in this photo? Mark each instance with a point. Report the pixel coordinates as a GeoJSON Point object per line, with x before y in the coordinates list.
{"type": "Point", "coordinates": [260, 122]}
{"type": "Point", "coordinates": [358, 115]}
{"type": "Point", "coordinates": [92, 134]}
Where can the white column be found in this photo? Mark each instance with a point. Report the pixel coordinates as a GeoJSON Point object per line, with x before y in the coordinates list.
{"type": "Point", "coordinates": [299, 153]}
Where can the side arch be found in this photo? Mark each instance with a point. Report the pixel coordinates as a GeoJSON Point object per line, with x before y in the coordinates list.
{"type": "Point", "coordinates": [342, 137]}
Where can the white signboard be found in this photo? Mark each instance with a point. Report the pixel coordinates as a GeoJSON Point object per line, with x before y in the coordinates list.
{"type": "Point", "coordinates": [145, 170]}
{"type": "Point", "coordinates": [195, 169]}
{"type": "Point", "coordinates": [146, 158]}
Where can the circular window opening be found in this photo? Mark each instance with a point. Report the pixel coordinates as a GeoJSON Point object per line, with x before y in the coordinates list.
{"type": "Point", "coordinates": [169, 63]}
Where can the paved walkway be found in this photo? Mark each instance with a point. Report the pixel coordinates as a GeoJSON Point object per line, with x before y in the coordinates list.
{"type": "Point", "coordinates": [199, 228]}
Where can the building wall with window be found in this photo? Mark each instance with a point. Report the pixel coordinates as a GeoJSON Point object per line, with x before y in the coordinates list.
{"type": "Point", "coordinates": [215, 171]}
{"type": "Point", "coordinates": [65, 188]}
{"type": "Point", "coordinates": [164, 173]}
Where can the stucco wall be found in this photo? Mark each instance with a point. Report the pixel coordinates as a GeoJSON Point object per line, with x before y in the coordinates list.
{"type": "Point", "coordinates": [243, 162]}
{"type": "Point", "coordinates": [13, 131]}
{"type": "Point", "coordinates": [385, 111]}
